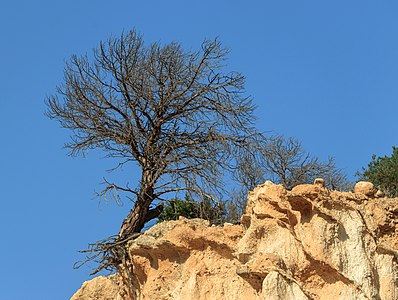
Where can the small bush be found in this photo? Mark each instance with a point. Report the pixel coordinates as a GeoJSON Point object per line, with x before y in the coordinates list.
{"type": "Point", "coordinates": [206, 209]}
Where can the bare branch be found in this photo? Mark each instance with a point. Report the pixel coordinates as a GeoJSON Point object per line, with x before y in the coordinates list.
{"type": "Point", "coordinates": [177, 113]}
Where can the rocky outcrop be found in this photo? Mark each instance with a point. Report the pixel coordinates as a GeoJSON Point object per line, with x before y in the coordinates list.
{"type": "Point", "coordinates": [101, 287]}
{"type": "Point", "coordinates": [307, 243]}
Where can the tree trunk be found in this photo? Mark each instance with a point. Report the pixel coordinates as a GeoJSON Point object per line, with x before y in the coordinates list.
{"type": "Point", "coordinates": [138, 217]}
{"type": "Point", "coordinates": [141, 214]}
{"type": "Point", "coordinates": [135, 220]}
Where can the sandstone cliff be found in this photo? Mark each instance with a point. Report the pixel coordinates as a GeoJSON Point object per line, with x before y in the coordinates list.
{"type": "Point", "coordinates": [308, 243]}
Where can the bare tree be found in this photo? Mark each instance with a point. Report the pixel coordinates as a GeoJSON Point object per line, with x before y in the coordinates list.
{"type": "Point", "coordinates": [250, 171]}
{"type": "Point", "coordinates": [172, 111]}
{"type": "Point", "coordinates": [283, 161]}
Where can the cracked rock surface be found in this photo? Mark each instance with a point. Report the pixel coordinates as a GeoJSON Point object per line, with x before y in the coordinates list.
{"type": "Point", "coordinates": [307, 243]}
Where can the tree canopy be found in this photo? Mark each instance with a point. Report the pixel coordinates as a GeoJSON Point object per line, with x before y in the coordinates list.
{"type": "Point", "coordinates": [174, 112]}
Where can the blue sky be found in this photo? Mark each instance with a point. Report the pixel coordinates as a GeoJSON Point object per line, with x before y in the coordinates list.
{"type": "Point", "coordinates": [325, 72]}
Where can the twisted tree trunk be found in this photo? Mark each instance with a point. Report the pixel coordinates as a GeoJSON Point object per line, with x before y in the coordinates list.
{"type": "Point", "coordinates": [141, 214]}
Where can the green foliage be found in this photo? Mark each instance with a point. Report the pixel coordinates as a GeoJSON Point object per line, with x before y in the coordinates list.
{"type": "Point", "coordinates": [383, 173]}
{"type": "Point", "coordinates": [177, 207]}
{"type": "Point", "coordinates": [206, 209]}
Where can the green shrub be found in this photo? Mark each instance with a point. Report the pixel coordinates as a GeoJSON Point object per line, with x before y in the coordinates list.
{"type": "Point", "coordinates": [206, 209]}
{"type": "Point", "coordinates": [383, 173]}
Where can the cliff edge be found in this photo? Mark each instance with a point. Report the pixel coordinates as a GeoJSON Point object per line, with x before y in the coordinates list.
{"type": "Point", "coordinates": [307, 243]}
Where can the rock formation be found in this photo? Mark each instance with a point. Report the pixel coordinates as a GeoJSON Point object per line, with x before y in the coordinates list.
{"type": "Point", "coordinates": [307, 243]}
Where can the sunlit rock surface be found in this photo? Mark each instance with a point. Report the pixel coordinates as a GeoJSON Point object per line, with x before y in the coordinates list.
{"type": "Point", "coordinates": [308, 243]}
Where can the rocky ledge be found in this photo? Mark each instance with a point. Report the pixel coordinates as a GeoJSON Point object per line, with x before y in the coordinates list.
{"type": "Point", "coordinates": [307, 243]}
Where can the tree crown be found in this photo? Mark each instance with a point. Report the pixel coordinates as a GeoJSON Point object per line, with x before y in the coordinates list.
{"type": "Point", "coordinates": [383, 173]}
{"type": "Point", "coordinates": [174, 112]}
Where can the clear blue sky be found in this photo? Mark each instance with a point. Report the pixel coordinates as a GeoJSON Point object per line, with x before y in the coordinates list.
{"type": "Point", "coordinates": [325, 72]}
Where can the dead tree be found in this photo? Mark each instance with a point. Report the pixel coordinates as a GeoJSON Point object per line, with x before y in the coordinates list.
{"type": "Point", "coordinates": [285, 161]}
{"type": "Point", "coordinates": [175, 113]}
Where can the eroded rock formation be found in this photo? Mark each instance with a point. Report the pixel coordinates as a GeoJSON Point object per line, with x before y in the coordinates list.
{"type": "Point", "coordinates": [307, 243]}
